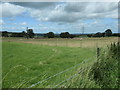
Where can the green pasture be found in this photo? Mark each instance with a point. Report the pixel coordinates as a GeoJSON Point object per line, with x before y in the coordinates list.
{"type": "Point", "coordinates": [22, 62]}
{"type": "Point", "coordinates": [27, 62]}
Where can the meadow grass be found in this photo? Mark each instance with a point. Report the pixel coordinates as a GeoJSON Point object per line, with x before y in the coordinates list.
{"type": "Point", "coordinates": [26, 62]}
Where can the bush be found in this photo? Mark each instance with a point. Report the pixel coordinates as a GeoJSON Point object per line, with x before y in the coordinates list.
{"type": "Point", "coordinates": [105, 70]}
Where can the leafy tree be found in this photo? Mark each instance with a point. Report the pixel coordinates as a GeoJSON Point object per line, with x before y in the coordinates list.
{"type": "Point", "coordinates": [4, 34]}
{"type": "Point", "coordinates": [30, 33]}
{"type": "Point", "coordinates": [50, 35]}
{"type": "Point", "coordinates": [65, 35]}
{"type": "Point", "coordinates": [108, 32]}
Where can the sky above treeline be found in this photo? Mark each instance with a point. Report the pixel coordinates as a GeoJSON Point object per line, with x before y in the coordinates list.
{"type": "Point", "coordinates": [57, 17]}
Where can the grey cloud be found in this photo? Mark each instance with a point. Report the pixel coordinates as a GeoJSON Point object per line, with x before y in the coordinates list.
{"type": "Point", "coordinates": [36, 5]}
{"type": "Point", "coordinates": [62, 12]}
{"type": "Point", "coordinates": [10, 10]}
{"type": "Point", "coordinates": [75, 7]}
{"type": "Point", "coordinates": [65, 17]}
{"type": "Point", "coordinates": [74, 12]}
{"type": "Point", "coordinates": [94, 7]}
{"type": "Point", "coordinates": [104, 7]}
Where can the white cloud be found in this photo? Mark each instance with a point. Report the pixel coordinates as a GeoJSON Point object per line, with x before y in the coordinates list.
{"type": "Point", "coordinates": [1, 22]}
{"type": "Point", "coordinates": [72, 12]}
{"type": "Point", "coordinates": [23, 23]}
{"type": "Point", "coordinates": [101, 7]}
{"type": "Point", "coordinates": [95, 22]}
{"type": "Point", "coordinates": [36, 14]}
{"type": "Point", "coordinates": [68, 12]}
{"type": "Point", "coordinates": [10, 10]}
{"type": "Point", "coordinates": [23, 28]}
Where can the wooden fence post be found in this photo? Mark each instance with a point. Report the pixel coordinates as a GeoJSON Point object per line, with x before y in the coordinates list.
{"type": "Point", "coordinates": [98, 52]}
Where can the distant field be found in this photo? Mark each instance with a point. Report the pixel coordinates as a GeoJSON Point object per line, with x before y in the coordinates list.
{"type": "Point", "coordinates": [26, 62]}
{"type": "Point", "coordinates": [76, 42]}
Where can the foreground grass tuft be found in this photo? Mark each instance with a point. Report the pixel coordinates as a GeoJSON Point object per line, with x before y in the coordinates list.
{"type": "Point", "coordinates": [102, 73]}
{"type": "Point", "coordinates": [105, 71]}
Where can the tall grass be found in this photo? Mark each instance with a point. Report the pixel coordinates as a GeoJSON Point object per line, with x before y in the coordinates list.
{"type": "Point", "coordinates": [102, 73]}
{"type": "Point", "coordinates": [105, 71]}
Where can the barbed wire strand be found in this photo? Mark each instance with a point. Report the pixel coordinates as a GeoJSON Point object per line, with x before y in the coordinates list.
{"type": "Point", "coordinates": [73, 76]}
{"type": "Point", "coordinates": [60, 73]}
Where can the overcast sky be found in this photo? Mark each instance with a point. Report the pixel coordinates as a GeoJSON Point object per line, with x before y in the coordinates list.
{"type": "Point", "coordinates": [58, 17]}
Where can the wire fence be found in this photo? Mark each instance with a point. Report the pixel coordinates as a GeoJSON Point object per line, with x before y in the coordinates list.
{"type": "Point", "coordinates": [61, 72]}
{"type": "Point", "coordinates": [71, 77]}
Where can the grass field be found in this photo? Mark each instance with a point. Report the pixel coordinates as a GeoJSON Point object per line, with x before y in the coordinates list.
{"type": "Point", "coordinates": [26, 62]}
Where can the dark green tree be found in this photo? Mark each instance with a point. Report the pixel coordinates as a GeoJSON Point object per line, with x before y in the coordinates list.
{"type": "Point", "coordinates": [30, 33]}
{"type": "Point", "coordinates": [108, 32]}
{"type": "Point", "coordinates": [50, 35]}
{"type": "Point", "coordinates": [65, 35]}
{"type": "Point", "coordinates": [4, 34]}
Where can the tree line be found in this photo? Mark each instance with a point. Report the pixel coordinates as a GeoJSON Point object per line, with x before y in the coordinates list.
{"type": "Point", "coordinates": [30, 34]}
{"type": "Point", "coordinates": [107, 33]}
{"type": "Point", "coordinates": [61, 35]}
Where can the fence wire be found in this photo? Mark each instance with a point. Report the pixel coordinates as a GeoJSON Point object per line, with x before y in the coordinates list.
{"type": "Point", "coordinates": [71, 77]}
{"type": "Point", "coordinates": [60, 73]}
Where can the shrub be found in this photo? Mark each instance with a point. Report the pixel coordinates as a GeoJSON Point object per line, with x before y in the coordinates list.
{"type": "Point", "coordinates": [105, 70]}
